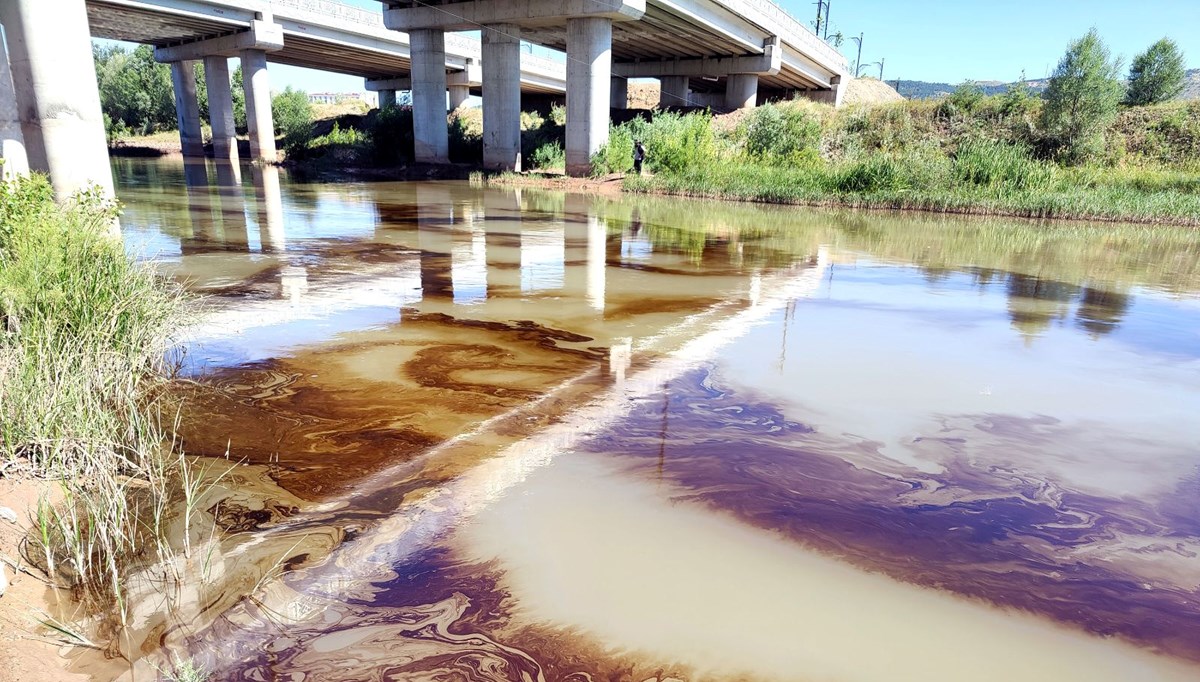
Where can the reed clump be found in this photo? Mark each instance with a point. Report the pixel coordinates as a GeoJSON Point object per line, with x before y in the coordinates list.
{"type": "Point", "coordinates": [85, 355]}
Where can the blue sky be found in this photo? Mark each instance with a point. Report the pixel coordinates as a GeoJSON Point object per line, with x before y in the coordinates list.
{"type": "Point", "coordinates": [946, 40]}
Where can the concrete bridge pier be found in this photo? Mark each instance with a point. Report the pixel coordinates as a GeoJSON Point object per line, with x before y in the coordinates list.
{"type": "Point", "coordinates": [589, 73]}
{"type": "Point", "coordinates": [259, 122]}
{"type": "Point", "coordinates": [12, 142]}
{"type": "Point", "coordinates": [220, 112]}
{"type": "Point", "coordinates": [57, 99]}
{"type": "Point", "coordinates": [187, 108]}
{"type": "Point", "coordinates": [619, 89]}
{"type": "Point", "coordinates": [459, 94]}
{"type": "Point", "coordinates": [502, 97]}
{"type": "Point", "coordinates": [460, 83]}
{"type": "Point", "coordinates": [674, 91]}
{"type": "Point", "coordinates": [741, 91]}
{"type": "Point", "coordinates": [387, 98]}
{"type": "Point", "coordinates": [431, 141]}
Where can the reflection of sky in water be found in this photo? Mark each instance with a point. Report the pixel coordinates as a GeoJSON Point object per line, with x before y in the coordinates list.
{"type": "Point", "coordinates": [873, 358]}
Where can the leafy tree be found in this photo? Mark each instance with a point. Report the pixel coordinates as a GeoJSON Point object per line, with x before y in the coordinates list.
{"type": "Point", "coordinates": [237, 89]}
{"type": "Point", "coordinates": [292, 116]}
{"type": "Point", "coordinates": [1082, 99]}
{"type": "Point", "coordinates": [1156, 75]}
{"type": "Point", "coordinates": [135, 90]}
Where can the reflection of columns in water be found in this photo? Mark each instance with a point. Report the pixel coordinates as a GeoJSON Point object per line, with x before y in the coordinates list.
{"type": "Point", "coordinates": [200, 207]}
{"type": "Point", "coordinates": [584, 251]}
{"type": "Point", "coordinates": [435, 239]}
{"type": "Point", "coordinates": [270, 207]}
{"type": "Point", "coordinates": [233, 205]}
{"type": "Point", "coordinates": [293, 283]}
{"type": "Point", "coordinates": [620, 357]}
{"type": "Point", "coordinates": [502, 241]}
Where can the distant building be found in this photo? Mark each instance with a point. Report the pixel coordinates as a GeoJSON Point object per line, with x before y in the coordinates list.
{"type": "Point", "coordinates": [339, 97]}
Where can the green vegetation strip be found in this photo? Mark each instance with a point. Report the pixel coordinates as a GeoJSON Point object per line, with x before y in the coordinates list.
{"type": "Point", "coordinates": [85, 336]}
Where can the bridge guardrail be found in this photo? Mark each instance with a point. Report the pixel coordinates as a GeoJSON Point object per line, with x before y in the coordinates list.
{"type": "Point", "coordinates": [767, 14]}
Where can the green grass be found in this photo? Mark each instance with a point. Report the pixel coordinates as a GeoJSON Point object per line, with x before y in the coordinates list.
{"type": "Point", "coordinates": [85, 336]}
{"type": "Point", "coordinates": [984, 159]}
{"type": "Point", "coordinates": [1129, 195]}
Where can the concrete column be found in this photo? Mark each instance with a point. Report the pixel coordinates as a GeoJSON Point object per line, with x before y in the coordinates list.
{"type": "Point", "coordinates": [619, 92]}
{"type": "Point", "coordinates": [589, 71]}
{"type": "Point", "coordinates": [12, 141]}
{"type": "Point", "coordinates": [187, 108]}
{"type": "Point", "coordinates": [387, 98]}
{"type": "Point", "coordinates": [50, 53]}
{"type": "Point", "coordinates": [741, 91]}
{"type": "Point", "coordinates": [459, 94]}
{"type": "Point", "coordinates": [502, 97]}
{"type": "Point", "coordinates": [259, 122]}
{"type": "Point", "coordinates": [674, 91]}
{"type": "Point", "coordinates": [220, 112]}
{"type": "Point", "coordinates": [431, 140]}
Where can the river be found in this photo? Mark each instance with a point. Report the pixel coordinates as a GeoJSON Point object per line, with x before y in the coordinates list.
{"type": "Point", "coordinates": [488, 434]}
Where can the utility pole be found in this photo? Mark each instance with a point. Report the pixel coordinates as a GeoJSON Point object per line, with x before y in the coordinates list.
{"type": "Point", "coordinates": [820, 17]}
{"type": "Point", "coordinates": [826, 36]}
{"type": "Point", "coordinates": [881, 61]}
{"type": "Point", "coordinates": [858, 59]}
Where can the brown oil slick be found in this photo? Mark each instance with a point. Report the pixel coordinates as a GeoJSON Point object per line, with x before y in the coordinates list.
{"type": "Point", "coordinates": [492, 435]}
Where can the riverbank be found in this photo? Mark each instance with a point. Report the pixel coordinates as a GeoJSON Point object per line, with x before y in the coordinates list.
{"type": "Point", "coordinates": [88, 460]}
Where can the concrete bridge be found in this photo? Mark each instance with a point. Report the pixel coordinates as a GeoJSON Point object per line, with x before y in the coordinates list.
{"type": "Point", "coordinates": [721, 53]}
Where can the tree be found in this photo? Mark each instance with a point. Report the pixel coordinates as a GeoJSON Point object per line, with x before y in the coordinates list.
{"type": "Point", "coordinates": [292, 116]}
{"type": "Point", "coordinates": [1082, 99]}
{"type": "Point", "coordinates": [239, 100]}
{"type": "Point", "coordinates": [135, 90]}
{"type": "Point", "coordinates": [1156, 75]}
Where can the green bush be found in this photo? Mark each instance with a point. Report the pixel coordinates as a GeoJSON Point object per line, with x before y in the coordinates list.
{"type": "Point", "coordinates": [990, 163]}
{"type": "Point", "coordinates": [616, 156]}
{"type": "Point", "coordinates": [674, 142]}
{"type": "Point", "coordinates": [292, 116]}
{"type": "Point", "coordinates": [782, 134]}
{"type": "Point", "coordinates": [548, 156]}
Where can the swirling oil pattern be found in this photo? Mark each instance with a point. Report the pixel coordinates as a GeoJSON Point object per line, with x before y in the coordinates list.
{"type": "Point", "coordinates": [495, 435]}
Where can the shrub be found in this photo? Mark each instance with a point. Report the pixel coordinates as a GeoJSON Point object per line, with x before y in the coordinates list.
{"type": "Point", "coordinates": [291, 113]}
{"type": "Point", "coordinates": [1156, 75]}
{"type": "Point", "coordinates": [1081, 100]}
{"type": "Point", "coordinates": [782, 134]}
{"type": "Point", "coordinates": [966, 98]}
{"type": "Point", "coordinates": [549, 155]}
{"type": "Point", "coordinates": [616, 156]}
{"type": "Point", "coordinates": [675, 142]}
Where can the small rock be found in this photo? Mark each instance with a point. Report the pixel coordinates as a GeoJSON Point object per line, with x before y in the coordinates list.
{"type": "Point", "coordinates": [8, 514]}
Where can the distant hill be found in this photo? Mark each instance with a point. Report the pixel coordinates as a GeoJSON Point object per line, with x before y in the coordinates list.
{"type": "Point", "coordinates": [927, 90]}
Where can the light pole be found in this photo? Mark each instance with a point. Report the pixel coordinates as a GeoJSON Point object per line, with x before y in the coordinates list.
{"type": "Point", "coordinates": [858, 59]}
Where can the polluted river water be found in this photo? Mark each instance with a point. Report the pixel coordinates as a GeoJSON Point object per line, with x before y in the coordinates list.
{"type": "Point", "coordinates": [484, 434]}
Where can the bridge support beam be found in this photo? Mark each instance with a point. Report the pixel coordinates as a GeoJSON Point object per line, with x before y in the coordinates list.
{"type": "Point", "coordinates": [187, 108]}
{"type": "Point", "coordinates": [12, 140]}
{"type": "Point", "coordinates": [431, 141]}
{"type": "Point", "coordinates": [619, 89]}
{"type": "Point", "coordinates": [259, 122]}
{"type": "Point", "coordinates": [674, 92]}
{"type": "Point", "coordinates": [220, 110]}
{"type": "Point", "coordinates": [459, 94]}
{"type": "Point", "coordinates": [502, 97]}
{"type": "Point", "coordinates": [589, 73]}
{"type": "Point", "coordinates": [57, 100]}
{"type": "Point", "coordinates": [741, 91]}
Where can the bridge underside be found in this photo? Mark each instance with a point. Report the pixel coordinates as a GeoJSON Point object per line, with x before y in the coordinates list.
{"type": "Point", "coordinates": [305, 45]}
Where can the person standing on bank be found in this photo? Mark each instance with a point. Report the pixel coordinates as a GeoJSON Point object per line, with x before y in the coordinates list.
{"type": "Point", "coordinates": [639, 155]}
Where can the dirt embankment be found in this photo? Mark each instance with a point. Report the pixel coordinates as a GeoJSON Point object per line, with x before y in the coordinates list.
{"type": "Point", "coordinates": [29, 651]}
